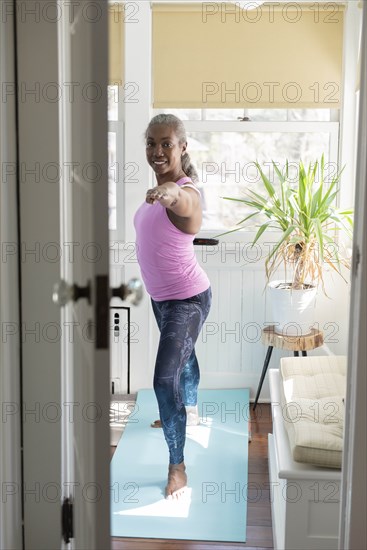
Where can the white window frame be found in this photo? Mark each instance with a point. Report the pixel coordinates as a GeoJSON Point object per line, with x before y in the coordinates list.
{"type": "Point", "coordinates": [204, 125]}
{"type": "Point", "coordinates": [263, 127]}
{"type": "Point", "coordinates": [117, 127]}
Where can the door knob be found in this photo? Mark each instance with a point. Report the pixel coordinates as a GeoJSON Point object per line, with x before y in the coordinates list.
{"type": "Point", "coordinates": [131, 292]}
{"type": "Point", "coordinates": [63, 293]}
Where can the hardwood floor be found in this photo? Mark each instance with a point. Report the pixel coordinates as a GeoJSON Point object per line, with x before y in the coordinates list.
{"type": "Point", "coordinates": [259, 530]}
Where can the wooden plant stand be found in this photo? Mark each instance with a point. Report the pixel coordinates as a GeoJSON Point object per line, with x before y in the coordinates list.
{"type": "Point", "coordinates": [296, 344]}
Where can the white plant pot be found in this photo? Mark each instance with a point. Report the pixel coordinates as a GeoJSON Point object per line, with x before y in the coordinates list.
{"type": "Point", "coordinates": [293, 311]}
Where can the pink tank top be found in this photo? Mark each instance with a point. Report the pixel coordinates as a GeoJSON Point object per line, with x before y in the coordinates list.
{"type": "Point", "coordinates": [166, 256]}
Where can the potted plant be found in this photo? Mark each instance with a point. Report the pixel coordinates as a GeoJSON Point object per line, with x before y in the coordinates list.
{"type": "Point", "coordinates": [308, 220]}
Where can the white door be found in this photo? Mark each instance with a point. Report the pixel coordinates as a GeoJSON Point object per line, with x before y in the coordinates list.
{"type": "Point", "coordinates": [353, 532]}
{"type": "Point", "coordinates": [84, 236]}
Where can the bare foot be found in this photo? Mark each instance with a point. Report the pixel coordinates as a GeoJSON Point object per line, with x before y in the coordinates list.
{"type": "Point", "coordinates": [177, 481]}
{"type": "Point", "coordinates": [156, 424]}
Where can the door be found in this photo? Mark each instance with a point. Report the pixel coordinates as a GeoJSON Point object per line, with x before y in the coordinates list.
{"type": "Point", "coordinates": [354, 489]}
{"type": "Point", "coordinates": [84, 292]}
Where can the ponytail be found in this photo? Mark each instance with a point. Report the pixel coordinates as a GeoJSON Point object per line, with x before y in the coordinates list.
{"type": "Point", "coordinates": [189, 168]}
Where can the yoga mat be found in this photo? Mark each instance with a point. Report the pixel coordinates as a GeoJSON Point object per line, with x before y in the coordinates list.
{"type": "Point", "coordinates": [216, 456]}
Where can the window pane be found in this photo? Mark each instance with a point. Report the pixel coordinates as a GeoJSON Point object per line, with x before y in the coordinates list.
{"type": "Point", "coordinates": [113, 102]}
{"type": "Point", "coordinates": [183, 114]}
{"type": "Point", "coordinates": [224, 114]}
{"type": "Point", "coordinates": [254, 115]}
{"type": "Point", "coordinates": [322, 115]}
{"type": "Point", "coordinates": [112, 178]}
{"type": "Point", "coordinates": [267, 115]}
{"type": "Point", "coordinates": [225, 164]}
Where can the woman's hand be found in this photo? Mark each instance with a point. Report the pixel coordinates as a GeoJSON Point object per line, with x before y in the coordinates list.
{"type": "Point", "coordinates": [166, 194]}
{"type": "Point", "coordinates": [183, 205]}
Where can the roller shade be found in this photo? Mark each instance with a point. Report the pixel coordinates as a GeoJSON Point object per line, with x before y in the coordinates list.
{"type": "Point", "coordinates": [217, 55]}
{"type": "Point", "coordinates": [116, 45]}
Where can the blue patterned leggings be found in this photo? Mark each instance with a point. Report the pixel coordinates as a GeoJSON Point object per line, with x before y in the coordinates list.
{"type": "Point", "coordinates": [176, 375]}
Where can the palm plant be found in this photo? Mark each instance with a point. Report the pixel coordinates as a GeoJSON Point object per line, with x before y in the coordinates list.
{"type": "Point", "coordinates": [307, 217]}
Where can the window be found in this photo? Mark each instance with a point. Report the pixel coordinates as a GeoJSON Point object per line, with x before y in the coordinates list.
{"type": "Point", "coordinates": [114, 154]}
{"type": "Point", "coordinates": [112, 173]}
{"type": "Point", "coordinates": [224, 149]}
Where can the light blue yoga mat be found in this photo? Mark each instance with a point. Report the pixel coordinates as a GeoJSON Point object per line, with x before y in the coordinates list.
{"type": "Point", "coordinates": [216, 457]}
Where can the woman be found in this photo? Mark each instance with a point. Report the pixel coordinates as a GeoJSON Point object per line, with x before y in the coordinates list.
{"type": "Point", "coordinates": [180, 290]}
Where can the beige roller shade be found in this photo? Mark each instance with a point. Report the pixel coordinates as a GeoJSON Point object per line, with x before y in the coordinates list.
{"type": "Point", "coordinates": [116, 45]}
{"type": "Point", "coordinates": [216, 55]}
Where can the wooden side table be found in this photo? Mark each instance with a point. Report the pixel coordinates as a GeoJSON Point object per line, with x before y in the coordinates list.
{"type": "Point", "coordinates": [296, 344]}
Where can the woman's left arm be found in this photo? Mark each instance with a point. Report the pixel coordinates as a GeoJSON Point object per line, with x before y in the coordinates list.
{"type": "Point", "coordinates": [183, 202]}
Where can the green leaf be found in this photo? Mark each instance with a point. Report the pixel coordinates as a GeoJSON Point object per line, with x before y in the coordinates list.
{"type": "Point", "coordinates": [319, 237]}
{"type": "Point", "coordinates": [268, 186]}
{"type": "Point", "coordinates": [247, 218]}
{"type": "Point", "coordinates": [260, 232]}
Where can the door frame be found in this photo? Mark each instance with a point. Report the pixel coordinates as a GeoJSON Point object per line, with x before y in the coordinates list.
{"type": "Point", "coordinates": [10, 393]}
{"type": "Point", "coordinates": [83, 59]}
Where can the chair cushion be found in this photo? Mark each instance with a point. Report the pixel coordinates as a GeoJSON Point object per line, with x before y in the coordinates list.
{"type": "Point", "coordinates": [312, 394]}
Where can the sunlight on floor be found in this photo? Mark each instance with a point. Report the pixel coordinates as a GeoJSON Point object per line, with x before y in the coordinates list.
{"type": "Point", "coordinates": [200, 434]}
{"type": "Point", "coordinates": [120, 411]}
{"type": "Point", "coordinates": [162, 508]}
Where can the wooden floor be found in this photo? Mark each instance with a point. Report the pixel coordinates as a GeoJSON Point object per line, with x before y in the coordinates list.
{"type": "Point", "coordinates": [259, 532]}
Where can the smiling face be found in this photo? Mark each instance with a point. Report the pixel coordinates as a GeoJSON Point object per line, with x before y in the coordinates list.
{"type": "Point", "coordinates": [164, 152]}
